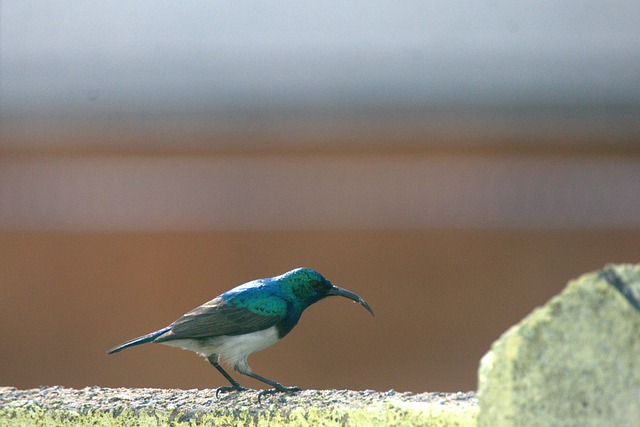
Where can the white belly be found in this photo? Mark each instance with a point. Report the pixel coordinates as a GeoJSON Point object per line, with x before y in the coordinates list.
{"type": "Point", "coordinates": [233, 349]}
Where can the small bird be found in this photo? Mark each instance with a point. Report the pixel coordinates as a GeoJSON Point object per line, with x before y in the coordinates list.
{"type": "Point", "coordinates": [246, 319]}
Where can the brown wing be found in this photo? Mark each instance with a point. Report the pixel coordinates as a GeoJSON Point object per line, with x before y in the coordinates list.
{"type": "Point", "coordinates": [216, 318]}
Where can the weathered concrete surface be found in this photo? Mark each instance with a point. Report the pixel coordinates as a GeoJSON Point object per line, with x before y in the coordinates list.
{"type": "Point", "coordinates": [573, 362]}
{"type": "Point", "coordinates": [58, 406]}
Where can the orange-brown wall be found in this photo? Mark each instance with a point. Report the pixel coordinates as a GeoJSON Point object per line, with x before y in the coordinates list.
{"type": "Point", "coordinates": [440, 298]}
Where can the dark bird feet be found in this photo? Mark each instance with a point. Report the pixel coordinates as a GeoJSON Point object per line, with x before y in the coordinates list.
{"type": "Point", "coordinates": [228, 389]}
{"type": "Point", "coordinates": [280, 389]}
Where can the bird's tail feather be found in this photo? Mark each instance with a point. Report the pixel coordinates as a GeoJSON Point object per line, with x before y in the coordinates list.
{"type": "Point", "coordinates": [140, 340]}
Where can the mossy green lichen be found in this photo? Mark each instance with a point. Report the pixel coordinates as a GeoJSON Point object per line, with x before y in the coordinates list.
{"type": "Point", "coordinates": [93, 406]}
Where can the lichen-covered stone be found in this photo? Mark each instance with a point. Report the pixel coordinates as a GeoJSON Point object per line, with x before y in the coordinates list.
{"type": "Point", "coordinates": [58, 406]}
{"type": "Point", "coordinates": [573, 362]}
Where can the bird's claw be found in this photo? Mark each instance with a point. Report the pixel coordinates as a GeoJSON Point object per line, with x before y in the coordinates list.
{"type": "Point", "coordinates": [281, 389]}
{"type": "Point", "coordinates": [228, 389]}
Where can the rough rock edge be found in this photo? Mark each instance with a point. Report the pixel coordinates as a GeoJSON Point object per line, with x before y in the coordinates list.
{"type": "Point", "coordinates": [155, 407]}
{"type": "Point", "coordinates": [613, 282]}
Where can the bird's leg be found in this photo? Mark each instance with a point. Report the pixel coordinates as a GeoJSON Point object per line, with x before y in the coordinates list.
{"type": "Point", "coordinates": [213, 359]}
{"type": "Point", "coordinates": [277, 387]}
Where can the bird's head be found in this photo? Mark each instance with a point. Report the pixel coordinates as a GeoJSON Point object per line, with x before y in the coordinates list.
{"type": "Point", "coordinates": [308, 286]}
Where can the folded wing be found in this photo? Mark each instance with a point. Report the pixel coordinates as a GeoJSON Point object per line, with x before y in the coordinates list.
{"type": "Point", "coordinates": [219, 317]}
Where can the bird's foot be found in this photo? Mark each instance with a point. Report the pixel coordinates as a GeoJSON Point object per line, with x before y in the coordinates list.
{"type": "Point", "coordinates": [279, 389]}
{"type": "Point", "coordinates": [228, 389]}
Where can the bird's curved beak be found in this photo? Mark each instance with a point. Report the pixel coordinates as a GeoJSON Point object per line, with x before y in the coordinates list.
{"type": "Point", "coordinates": [348, 294]}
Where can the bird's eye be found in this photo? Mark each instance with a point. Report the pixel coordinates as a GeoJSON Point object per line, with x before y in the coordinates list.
{"type": "Point", "coordinates": [317, 285]}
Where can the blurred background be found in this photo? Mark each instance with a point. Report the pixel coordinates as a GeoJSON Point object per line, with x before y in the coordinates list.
{"type": "Point", "coordinates": [453, 163]}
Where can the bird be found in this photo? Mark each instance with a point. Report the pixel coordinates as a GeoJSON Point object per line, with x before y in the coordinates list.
{"type": "Point", "coordinates": [246, 319]}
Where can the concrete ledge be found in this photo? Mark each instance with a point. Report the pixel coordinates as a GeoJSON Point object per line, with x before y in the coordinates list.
{"type": "Point", "coordinates": [95, 406]}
